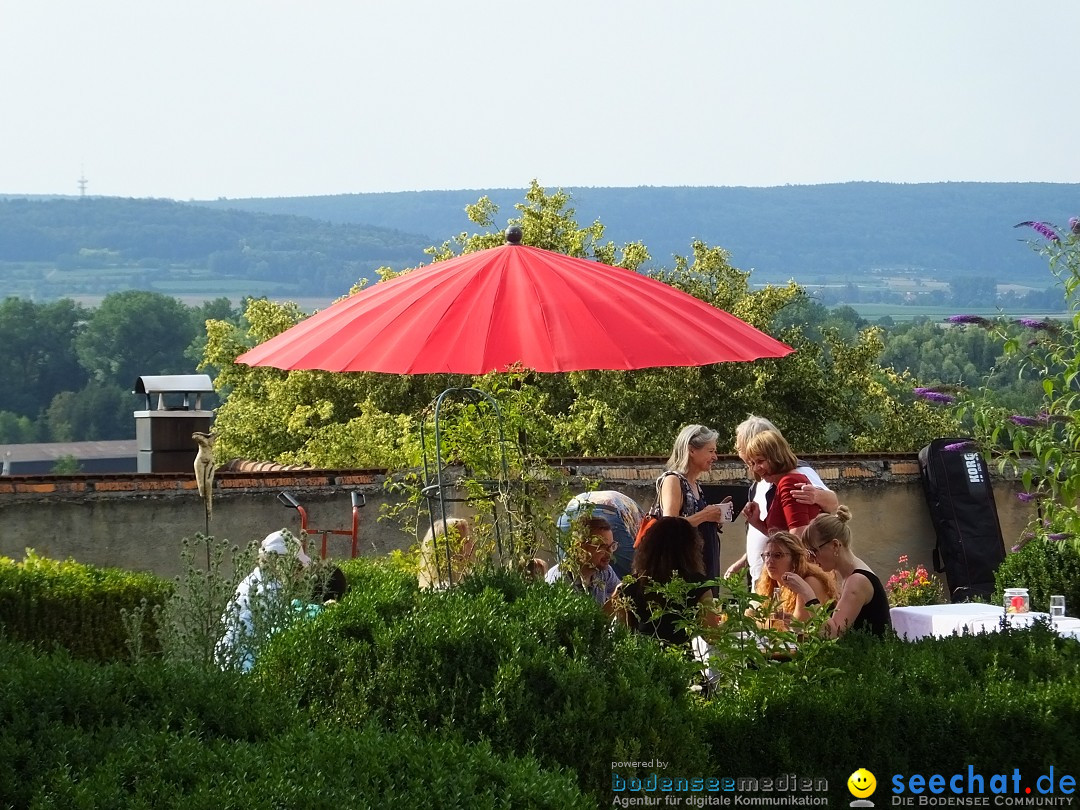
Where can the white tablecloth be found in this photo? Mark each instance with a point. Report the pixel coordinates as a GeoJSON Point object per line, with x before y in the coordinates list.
{"type": "Point", "coordinates": [913, 623]}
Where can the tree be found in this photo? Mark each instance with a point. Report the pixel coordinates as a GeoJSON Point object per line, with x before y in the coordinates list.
{"type": "Point", "coordinates": [831, 393]}
{"type": "Point", "coordinates": [16, 429]}
{"type": "Point", "coordinates": [1042, 444]}
{"type": "Point", "coordinates": [39, 357]}
{"type": "Point", "coordinates": [134, 333]}
{"type": "Point", "coordinates": [97, 412]}
{"type": "Point", "coordinates": [973, 291]}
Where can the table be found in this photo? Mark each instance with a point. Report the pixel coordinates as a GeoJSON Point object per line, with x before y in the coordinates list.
{"type": "Point", "coordinates": [914, 623]}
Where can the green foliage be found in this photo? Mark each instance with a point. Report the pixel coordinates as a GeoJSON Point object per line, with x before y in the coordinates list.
{"type": "Point", "coordinates": [134, 333]}
{"type": "Point", "coordinates": [15, 429]}
{"type": "Point", "coordinates": [189, 622]}
{"type": "Point", "coordinates": [77, 607]}
{"type": "Point", "coordinates": [50, 248]}
{"type": "Point", "coordinates": [194, 620]}
{"type": "Point", "coordinates": [1045, 567]}
{"type": "Point", "coordinates": [949, 702]}
{"type": "Point", "coordinates": [533, 669]}
{"type": "Point", "coordinates": [74, 735]}
{"type": "Point", "coordinates": [39, 358]}
{"type": "Point", "coordinates": [66, 465]}
{"type": "Point", "coordinates": [505, 693]}
{"type": "Point", "coordinates": [68, 372]}
{"type": "Point", "coordinates": [830, 394]}
{"type": "Point", "coordinates": [1043, 445]}
{"type": "Point", "coordinates": [829, 233]}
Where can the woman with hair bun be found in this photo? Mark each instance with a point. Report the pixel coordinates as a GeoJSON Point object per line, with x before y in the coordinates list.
{"type": "Point", "coordinates": [863, 603]}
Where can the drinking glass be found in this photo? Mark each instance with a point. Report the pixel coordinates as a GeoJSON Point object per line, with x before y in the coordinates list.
{"type": "Point", "coordinates": [1057, 607]}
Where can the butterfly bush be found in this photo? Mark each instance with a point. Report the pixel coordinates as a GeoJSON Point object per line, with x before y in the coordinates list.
{"type": "Point", "coordinates": [1041, 450]}
{"type": "Point", "coordinates": [913, 586]}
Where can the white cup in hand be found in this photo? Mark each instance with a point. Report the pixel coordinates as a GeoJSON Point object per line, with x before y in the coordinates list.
{"type": "Point", "coordinates": [728, 510]}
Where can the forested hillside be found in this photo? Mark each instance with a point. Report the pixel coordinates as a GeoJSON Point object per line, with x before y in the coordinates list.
{"type": "Point", "coordinates": [93, 246]}
{"type": "Point", "coordinates": [809, 233]}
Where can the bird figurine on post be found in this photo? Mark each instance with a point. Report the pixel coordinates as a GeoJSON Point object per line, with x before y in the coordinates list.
{"type": "Point", "coordinates": [204, 471]}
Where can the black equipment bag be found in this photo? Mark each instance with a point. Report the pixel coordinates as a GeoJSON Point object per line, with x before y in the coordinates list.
{"type": "Point", "coordinates": [961, 500]}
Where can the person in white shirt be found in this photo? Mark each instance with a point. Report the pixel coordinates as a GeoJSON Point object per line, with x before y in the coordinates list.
{"type": "Point", "coordinates": [260, 603]}
{"type": "Point", "coordinates": [815, 492]}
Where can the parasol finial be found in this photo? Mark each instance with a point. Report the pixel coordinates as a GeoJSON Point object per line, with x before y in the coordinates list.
{"type": "Point", "coordinates": [514, 235]}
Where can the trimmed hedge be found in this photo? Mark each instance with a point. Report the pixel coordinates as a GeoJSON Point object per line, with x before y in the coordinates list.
{"type": "Point", "coordinates": [532, 669]}
{"type": "Point", "coordinates": [1001, 700]}
{"type": "Point", "coordinates": [1044, 567]}
{"type": "Point", "coordinates": [488, 694]}
{"type": "Point", "coordinates": [73, 734]}
{"type": "Point", "coordinates": [75, 606]}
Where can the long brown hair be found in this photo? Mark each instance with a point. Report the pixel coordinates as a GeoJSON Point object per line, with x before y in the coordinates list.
{"type": "Point", "coordinates": [801, 565]}
{"type": "Point", "coordinates": [670, 546]}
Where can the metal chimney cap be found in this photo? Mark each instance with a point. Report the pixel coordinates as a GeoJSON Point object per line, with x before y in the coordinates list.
{"type": "Point", "coordinates": [174, 384]}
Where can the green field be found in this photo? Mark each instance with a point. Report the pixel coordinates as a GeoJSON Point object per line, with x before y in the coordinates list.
{"type": "Point", "coordinates": [899, 312]}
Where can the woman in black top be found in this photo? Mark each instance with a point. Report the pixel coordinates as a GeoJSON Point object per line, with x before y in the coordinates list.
{"type": "Point", "coordinates": [670, 548]}
{"type": "Point", "coordinates": [863, 603]}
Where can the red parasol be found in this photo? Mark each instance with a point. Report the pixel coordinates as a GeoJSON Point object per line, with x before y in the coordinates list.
{"type": "Point", "coordinates": [494, 308]}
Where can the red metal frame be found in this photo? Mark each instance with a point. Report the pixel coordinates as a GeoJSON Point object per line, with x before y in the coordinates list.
{"type": "Point", "coordinates": [306, 531]}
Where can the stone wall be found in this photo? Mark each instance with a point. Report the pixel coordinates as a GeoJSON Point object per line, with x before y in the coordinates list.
{"type": "Point", "coordinates": [136, 521]}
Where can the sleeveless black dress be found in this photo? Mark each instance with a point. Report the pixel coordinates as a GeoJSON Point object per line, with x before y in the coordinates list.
{"type": "Point", "coordinates": [874, 617]}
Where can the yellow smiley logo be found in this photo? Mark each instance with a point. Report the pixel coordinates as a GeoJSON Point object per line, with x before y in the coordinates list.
{"type": "Point", "coordinates": [861, 783]}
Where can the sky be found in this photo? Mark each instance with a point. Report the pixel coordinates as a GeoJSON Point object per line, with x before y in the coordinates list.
{"type": "Point", "coordinates": [261, 98]}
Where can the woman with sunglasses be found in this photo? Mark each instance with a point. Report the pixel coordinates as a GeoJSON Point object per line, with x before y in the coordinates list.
{"type": "Point", "coordinates": [784, 553]}
{"type": "Point", "coordinates": [863, 603]}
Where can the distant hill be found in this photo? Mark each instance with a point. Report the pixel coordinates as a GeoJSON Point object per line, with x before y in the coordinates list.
{"type": "Point", "coordinates": [53, 248]}
{"type": "Point", "coordinates": [811, 233]}
{"type": "Point", "coordinates": [312, 249]}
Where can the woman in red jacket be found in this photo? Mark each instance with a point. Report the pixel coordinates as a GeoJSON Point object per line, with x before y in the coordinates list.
{"type": "Point", "coordinates": [771, 459]}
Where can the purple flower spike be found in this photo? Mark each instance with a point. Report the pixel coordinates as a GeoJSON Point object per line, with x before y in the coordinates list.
{"type": "Point", "coordinates": [1046, 416]}
{"type": "Point", "coordinates": [937, 396]}
{"type": "Point", "coordinates": [977, 320]}
{"type": "Point", "coordinates": [1058, 536]}
{"type": "Point", "coordinates": [1074, 225]}
{"type": "Point", "coordinates": [1025, 497]}
{"type": "Point", "coordinates": [1034, 323]}
{"type": "Point", "coordinates": [958, 447]}
{"type": "Point", "coordinates": [1042, 228]}
{"type": "Point", "coordinates": [1026, 421]}
{"type": "Point", "coordinates": [1016, 547]}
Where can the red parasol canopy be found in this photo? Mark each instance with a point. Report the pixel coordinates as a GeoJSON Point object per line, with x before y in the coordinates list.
{"type": "Point", "coordinates": [488, 310]}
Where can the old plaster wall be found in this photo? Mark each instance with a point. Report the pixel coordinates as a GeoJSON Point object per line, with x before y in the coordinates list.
{"type": "Point", "coordinates": [138, 521]}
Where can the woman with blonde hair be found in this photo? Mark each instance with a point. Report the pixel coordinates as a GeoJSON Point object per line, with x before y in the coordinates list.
{"type": "Point", "coordinates": [435, 570]}
{"type": "Point", "coordinates": [863, 604]}
{"type": "Point", "coordinates": [679, 494]}
{"type": "Point", "coordinates": [771, 459]}
{"type": "Point", "coordinates": [784, 553]}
